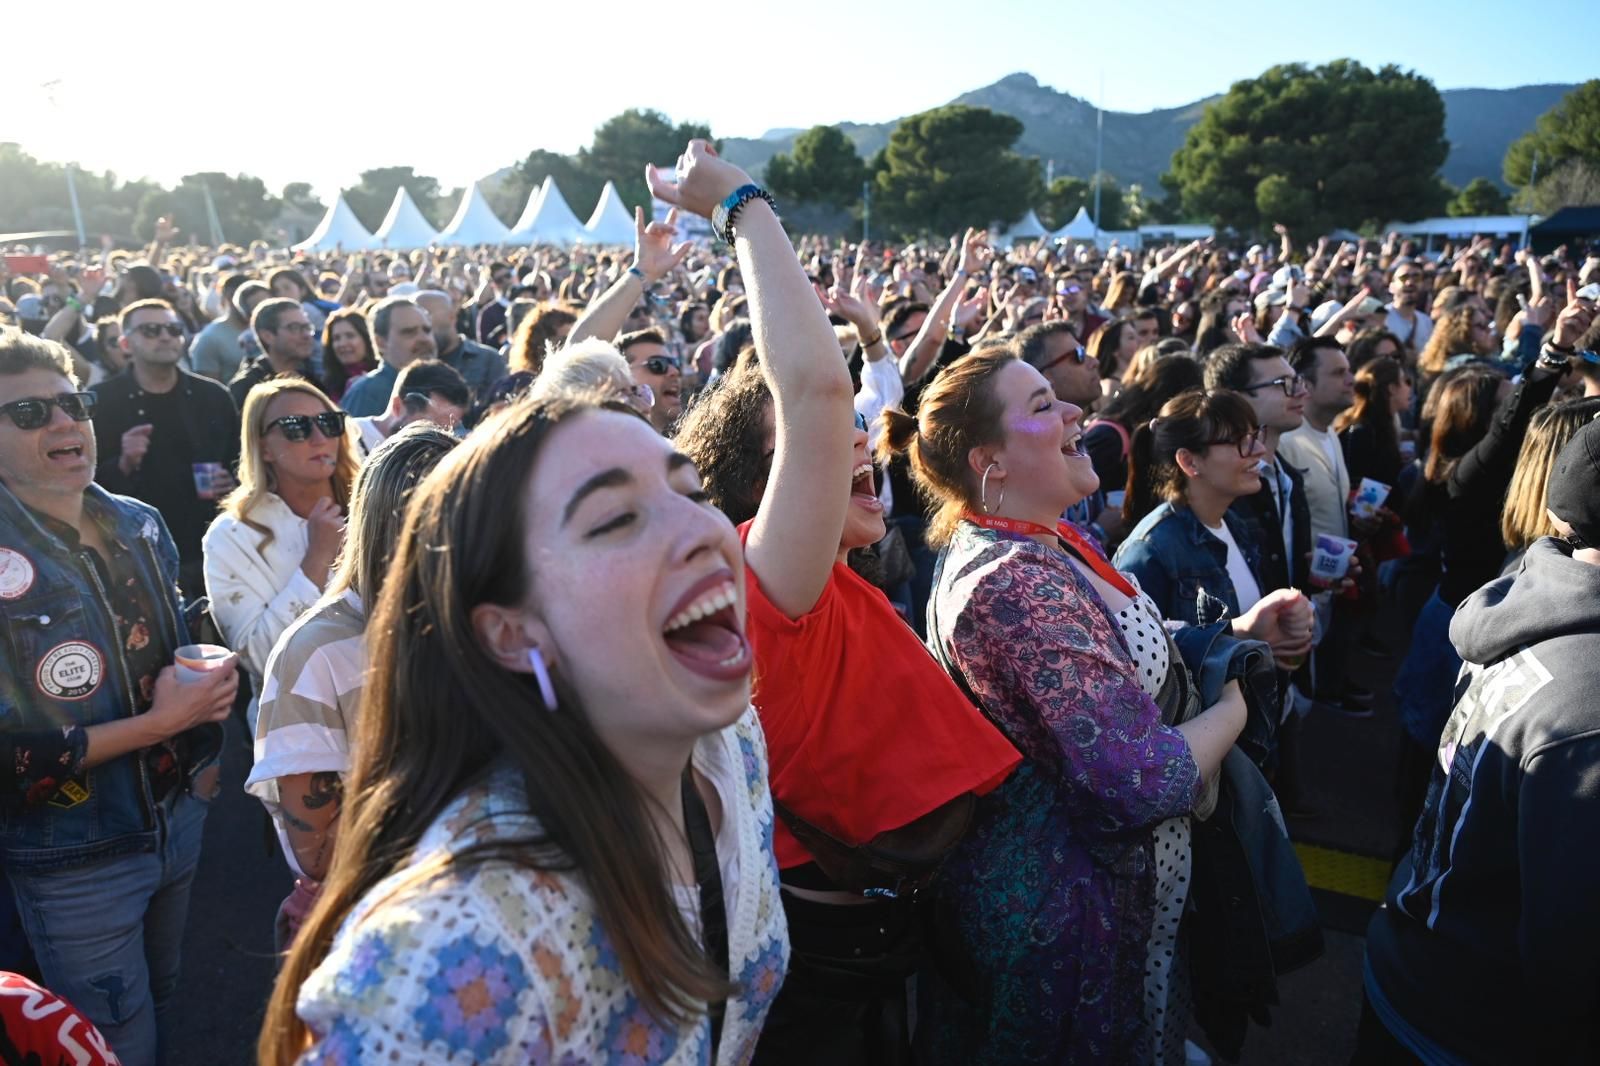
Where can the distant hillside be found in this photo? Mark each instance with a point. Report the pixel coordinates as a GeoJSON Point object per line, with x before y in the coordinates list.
{"type": "Point", "coordinates": [1479, 123]}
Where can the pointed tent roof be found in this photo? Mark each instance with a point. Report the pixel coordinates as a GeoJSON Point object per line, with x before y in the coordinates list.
{"type": "Point", "coordinates": [522, 231]}
{"type": "Point", "coordinates": [611, 223]}
{"type": "Point", "coordinates": [404, 226]}
{"type": "Point", "coordinates": [475, 222]}
{"type": "Point", "coordinates": [1027, 228]}
{"type": "Point", "coordinates": [1081, 228]}
{"type": "Point", "coordinates": [339, 228]}
{"type": "Point", "coordinates": [554, 222]}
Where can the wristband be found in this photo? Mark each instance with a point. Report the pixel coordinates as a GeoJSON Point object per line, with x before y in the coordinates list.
{"type": "Point", "coordinates": [725, 214]}
{"type": "Point", "coordinates": [876, 339]}
{"type": "Point", "coordinates": [1560, 350]}
{"type": "Point", "coordinates": [636, 272]}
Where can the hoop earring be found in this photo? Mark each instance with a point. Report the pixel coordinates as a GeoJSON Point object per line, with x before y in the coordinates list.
{"type": "Point", "coordinates": [983, 491]}
{"type": "Point", "coordinates": [541, 674]}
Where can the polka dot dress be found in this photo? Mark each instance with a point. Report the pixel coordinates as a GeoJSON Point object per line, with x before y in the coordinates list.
{"type": "Point", "coordinates": [1167, 1004]}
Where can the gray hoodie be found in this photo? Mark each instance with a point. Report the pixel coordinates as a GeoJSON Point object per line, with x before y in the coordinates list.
{"type": "Point", "coordinates": [1488, 949]}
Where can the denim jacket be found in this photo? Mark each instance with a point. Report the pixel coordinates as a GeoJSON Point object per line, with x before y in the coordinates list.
{"type": "Point", "coordinates": [61, 664]}
{"type": "Point", "coordinates": [1184, 567]}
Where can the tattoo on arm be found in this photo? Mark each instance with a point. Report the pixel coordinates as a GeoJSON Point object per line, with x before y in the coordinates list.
{"type": "Point", "coordinates": [325, 788]}
{"type": "Point", "coordinates": [297, 824]}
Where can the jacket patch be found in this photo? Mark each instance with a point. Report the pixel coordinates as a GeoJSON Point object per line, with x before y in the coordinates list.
{"type": "Point", "coordinates": [70, 671]}
{"type": "Point", "coordinates": [70, 794]}
{"type": "Point", "coordinates": [16, 574]}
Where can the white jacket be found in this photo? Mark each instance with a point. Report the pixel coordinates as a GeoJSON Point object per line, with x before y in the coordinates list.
{"type": "Point", "coordinates": [257, 593]}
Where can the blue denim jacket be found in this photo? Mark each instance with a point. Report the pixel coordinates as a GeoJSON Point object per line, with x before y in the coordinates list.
{"type": "Point", "coordinates": [1184, 567]}
{"type": "Point", "coordinates": [61, 664]}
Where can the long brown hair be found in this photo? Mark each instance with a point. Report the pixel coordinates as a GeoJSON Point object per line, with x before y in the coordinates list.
{"type": "Point", "coordinates": [256, 477]}
{"type": "Point", "coordinates": [958, 412]}
{"type": "Point", "coordinates": [1371, 407]}
{"type": "Point", "coordinates": [536, 336]}
{"type": "Point", "coordinates": [722, 432]}
{"type": "Point", "coordinates": [1523, 519]}
{"type": "Point", "coordinates": [438, 711]}
{"type": "Point", "coordinates": [1191, 421]}
{"type": "Point", "coordinates": [335, 375]}
{"type": "Point", "coordinates": [1463, 402]}
{"type": "Point", "coordinates": [1452, 336]}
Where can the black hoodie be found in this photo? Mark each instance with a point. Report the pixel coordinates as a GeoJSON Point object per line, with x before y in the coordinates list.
{"type": "Point", "coordinates": [1488, 949]}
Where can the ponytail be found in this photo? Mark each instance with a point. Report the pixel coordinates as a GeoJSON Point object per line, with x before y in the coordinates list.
{"type": "Point", "coordinates": [1141, 495]}
{"type": "Point", "coordinates": [899, 434]}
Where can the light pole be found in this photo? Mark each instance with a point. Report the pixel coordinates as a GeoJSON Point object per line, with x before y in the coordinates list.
{"type": "Point", "coordinates": [72, 186]}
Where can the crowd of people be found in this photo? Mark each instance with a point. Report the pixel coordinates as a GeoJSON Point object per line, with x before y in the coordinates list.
{"type": "Point", "coordinates": [798, 650]}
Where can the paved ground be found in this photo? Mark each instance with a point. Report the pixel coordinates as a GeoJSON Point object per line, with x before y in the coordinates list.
{"type": "Point", "coordinates": [228, 964]}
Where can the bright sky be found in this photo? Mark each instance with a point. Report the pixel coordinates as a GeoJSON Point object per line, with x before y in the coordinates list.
{"type": "Point", "coordinates": [361, 85]}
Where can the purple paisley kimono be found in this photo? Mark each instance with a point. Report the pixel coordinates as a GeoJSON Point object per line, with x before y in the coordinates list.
{"type": "Point", "coordinates": [1047, 905]}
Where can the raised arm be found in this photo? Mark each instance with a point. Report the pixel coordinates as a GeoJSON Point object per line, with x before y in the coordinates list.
{"type": "Point", "coordinates": [654, 256]}
{"type": "Point", "coordinates": [930, 338]}
{"type": "Point", "coordinates": [795, 535]}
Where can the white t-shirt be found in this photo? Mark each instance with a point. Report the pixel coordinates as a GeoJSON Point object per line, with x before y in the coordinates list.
{"type": "Point", "coordinates": [1245, 588]}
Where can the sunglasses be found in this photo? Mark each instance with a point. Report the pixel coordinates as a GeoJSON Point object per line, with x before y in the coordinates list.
{"type": "Point", "coordinates": [1078, 354]}
{"type": "Point", "coordinates": [1246, 444]}
{"type": "Point", "coordinates": [152, 330]}
{"type": "Point", "coordinates": [1293, 385]}
{"type": "Point", "coordinates": [861, 421]}
{"type": "Point", "coordinates": [35, 413]}
{"type": "Point", "coordinates": [297, 428]}
{"type": "Point", "coordinates": [660, 364]}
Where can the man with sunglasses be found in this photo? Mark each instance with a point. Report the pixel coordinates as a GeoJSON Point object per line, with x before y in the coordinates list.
{"type": "Point", "coordinates": [287, 342]}
{"type": "Point", "coordinates": [101, 847]}
{"type": "Point", "coordinates": [168, 437]}
{"type": "Point", "coordinates": [661, 371]}
{"type": "Point", "coordinates": [427, 390]}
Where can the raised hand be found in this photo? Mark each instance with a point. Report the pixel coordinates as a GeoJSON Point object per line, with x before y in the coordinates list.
{"type": "Point", "coordinates": [1243, 325]}
{"type": "Point", "coordinates": [1573, 321]}
{"type": "Point", "coordinates": [653, 251]}
{"type": "Point", "coordinates": [704, 180]}
{"type": "Point", "coordinates": [969, 311]}
{"type": "Point", "coordinates": [860, 313]}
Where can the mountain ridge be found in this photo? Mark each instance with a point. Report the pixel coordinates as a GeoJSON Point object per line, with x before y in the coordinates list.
{"type": "Point", "coordinates": [1479, 124]}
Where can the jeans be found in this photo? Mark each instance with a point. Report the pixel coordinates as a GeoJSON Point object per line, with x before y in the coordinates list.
{"type": "Point", "coordinates": [108, 934]}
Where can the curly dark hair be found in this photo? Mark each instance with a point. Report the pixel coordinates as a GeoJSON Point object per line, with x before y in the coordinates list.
{"type": "Point", "coordinates": [722, 432]}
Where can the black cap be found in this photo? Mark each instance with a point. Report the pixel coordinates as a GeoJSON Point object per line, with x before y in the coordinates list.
{"type": "Point", "coordinates": [1574, 490]}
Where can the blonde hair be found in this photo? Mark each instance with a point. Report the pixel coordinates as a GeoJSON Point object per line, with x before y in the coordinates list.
{"type": "Point", "coordinates": [256, 478]}
{"type": "Point", "coordinates": [587, 368]}
{"type": "Point", "coordinates": [1523, 519]}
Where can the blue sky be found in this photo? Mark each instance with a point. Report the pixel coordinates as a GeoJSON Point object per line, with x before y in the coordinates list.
{"type": "Point", "coordinates": [459, 94]}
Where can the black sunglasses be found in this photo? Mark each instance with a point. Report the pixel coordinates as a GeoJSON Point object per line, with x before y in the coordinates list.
{"type": "Point", "coordinates": [659, 364]}
{"type": "Point", "coordinates": [1293, 385]}
{"type": "Point", "coordinates": [152, 330]}
{"type": "Point", "coordinates": [34, 413]}
{"type": "Point", "coordinates": [297, 428]}
{"type": "Point", "coordinates": [1076, 353]}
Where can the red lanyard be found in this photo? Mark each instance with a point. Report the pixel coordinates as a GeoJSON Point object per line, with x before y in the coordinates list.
{"type": "Point", "coordinates": [1075, 542]}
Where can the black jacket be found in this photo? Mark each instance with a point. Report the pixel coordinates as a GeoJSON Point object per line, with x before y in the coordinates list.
{"type": "Point", "coordinates": [1488, 949]}
{"type": "Point", "coordinates": [205, 430]}
{"type": "Point", "coordinates": [1260, 511]}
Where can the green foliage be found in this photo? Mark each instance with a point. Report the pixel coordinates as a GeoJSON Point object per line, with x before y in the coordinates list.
{"type": "Point", "coordinates": [824, 169]}
{"type": "Point", "coordinates": [1570, 130]}
{"type": "Point", "coordinates": [1316, 148]}
{"type": "Point", "coordinates": [1067, 194]}
{"type": "Point", "coordinates": [33, 196]}
{"type": "Point", "coordinates": [298, 194]}
{"type": "Point", "coordinates": [1480, 197]}
{"type": "Point", "coordinates": [621, 148]}
{"type": "Point", "coordinates": [370, 197]}
{"type": "Point", "coordinates": [952, 167]}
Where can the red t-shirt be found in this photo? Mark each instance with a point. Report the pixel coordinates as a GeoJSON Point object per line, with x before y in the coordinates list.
{"type": "Point", "coordinates": [865, 731]}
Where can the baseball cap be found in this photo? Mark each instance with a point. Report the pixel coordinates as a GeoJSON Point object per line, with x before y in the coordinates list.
{"type": "Point", "coordinates": [1285, 276]}
{"type": "Point", "coordinates": [1270, 298]}
{"type": "Point", "coordinates": [1573, 494]}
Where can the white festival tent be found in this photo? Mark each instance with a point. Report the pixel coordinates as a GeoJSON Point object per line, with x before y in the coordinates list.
{"type": "Point", "coordinates": [404, 226]}
{"type": "Point", "coordinates": [522, 230]}
{"type": "Point", "coordinates": [1081, 228]}
{"type": "Point", "coordinates": [554, 222]}
{"type": "Point", "coordinates": [339, 228]}
{"type": "Point", "coordinates": [475, 222]}
{"type": "Point", "coordinates": [1028, 228]}
{"type": "Point", "coordinates": [611, 223]}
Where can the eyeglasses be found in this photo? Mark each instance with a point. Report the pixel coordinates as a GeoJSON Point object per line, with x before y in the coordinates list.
{"type": "Point", "coordinates": [660, 364]}
{"type": "Point", "coordinates": [1292, 385]}
{"type": "Point", "coordinates": [297, 428]}
{"type": "Point", "coordinates": [1071, 353]}
{"type": "Point", "coordinates": [1246, 444]}
{"type": "Point", "coordinates": [861, 421]}
{"type": "Point", "coordinates": [501, 279]}
{"type": "Point", "coordinates": [1068, 290]}
{"type": "Point", "coordinates": [152, 330]}
{"type": "Point", "coordinates": [34, 413]}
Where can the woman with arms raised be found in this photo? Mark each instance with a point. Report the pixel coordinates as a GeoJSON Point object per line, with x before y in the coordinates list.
{"type": "Point", "coordinates": [874, 750]}
{"type": "Point", "coordinates": [1056, 886]}
{"type": "Point", "coordinates": [556, 836]}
